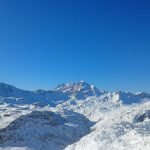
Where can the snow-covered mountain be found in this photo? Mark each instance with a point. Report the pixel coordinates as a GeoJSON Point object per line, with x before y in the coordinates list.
{"type": "Point", "coordinates": [13, 95]}
{"type": "Point", "coordinates": [73, 116]}
{"type": "Point", "coordinates": [80, 90]}
{"type": "Point", "coordinates": [124, 128]}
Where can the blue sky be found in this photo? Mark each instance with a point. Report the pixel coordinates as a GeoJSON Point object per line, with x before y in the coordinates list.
{"type": "Point", "coordinates": [45, 43]}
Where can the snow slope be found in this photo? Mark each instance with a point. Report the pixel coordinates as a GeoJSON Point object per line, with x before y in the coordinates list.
{"type": "Point", "coordinates": [73, 116]}
{"type": "Point", "coordinates": [126, 128]}
{"type": "Point", "coordinates": [40, 128]}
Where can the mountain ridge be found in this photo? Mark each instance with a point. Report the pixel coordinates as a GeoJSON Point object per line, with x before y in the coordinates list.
{"type": "Point", "coordinates": [80, 91]}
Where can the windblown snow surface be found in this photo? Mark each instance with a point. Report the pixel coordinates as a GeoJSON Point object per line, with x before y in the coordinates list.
{"type": "Point", "coordinates": [73, 116]}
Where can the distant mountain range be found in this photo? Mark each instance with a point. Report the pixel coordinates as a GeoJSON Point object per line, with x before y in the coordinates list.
{"type": "Point", "coordinates": [80, 90]}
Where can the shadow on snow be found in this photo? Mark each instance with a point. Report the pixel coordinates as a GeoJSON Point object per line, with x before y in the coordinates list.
{"type": "Point", "coordinates": [45, 130]}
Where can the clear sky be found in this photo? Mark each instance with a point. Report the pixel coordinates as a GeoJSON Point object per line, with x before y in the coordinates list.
{"type": "Point", "coordinates": [46, 42]}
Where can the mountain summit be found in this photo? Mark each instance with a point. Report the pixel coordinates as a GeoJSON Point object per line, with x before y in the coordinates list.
{"type": "Point", "coordinates": [79, 90]}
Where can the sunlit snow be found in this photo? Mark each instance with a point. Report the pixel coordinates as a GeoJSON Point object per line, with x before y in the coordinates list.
{"type": "Point", "coordinates": [73, 116]}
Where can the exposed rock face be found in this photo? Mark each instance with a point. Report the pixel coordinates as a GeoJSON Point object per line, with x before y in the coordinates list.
{"type": "Point", "coordinates": [139, 118]}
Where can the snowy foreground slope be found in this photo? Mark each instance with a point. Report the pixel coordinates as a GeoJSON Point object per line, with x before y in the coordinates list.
{"type": "Point", "coordinates": [73, 116]}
